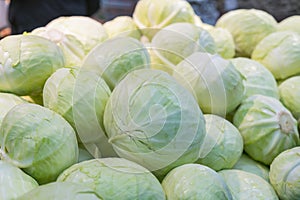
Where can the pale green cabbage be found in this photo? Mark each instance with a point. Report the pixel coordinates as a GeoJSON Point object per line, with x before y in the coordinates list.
{"type": "Point", "coordinates": [258, 79]}
{"type": "Point", "coordinates": [14, 182]}
{"type": "Point", "coordinates": [279, 52]}
{"type": "Point", "coordinates": [86, 30]}
{"type": "Point", "coordinates": [152, 15]}
{"type": "Point", "coordinates": [177, 41]}
{"type": "Point", "coordinates": [214, 82]}
{"type": "Point", "coordinates": [291, 23]}
{"type": "Point", "coordinates": [154, 121]}
{"type": "Point", "coordinates": [244, 185]}
{"type": "Point", "coordinates": [285, 174]}
{"type": "Point", "coordinates": [115, 178]}
{"type": "Point", "coordinates": [248, 27]}
{"type": "Point", "coordinates": [115, 58]}
{"type": "Point", "coordinates": [225, 141]}
{"type": "Point", "coordinates": [267, 127]}
{"type": "Point", "coordinates": [195, 181]}
{"type": "Point", "coordinates": [61, 191]}
{"type": "Point", "coordinates": [289, 91]}
{"type": "Point", "coordinates": [26, 61]}
{"type": "Point", "coordinates": [122, 26]}
{"type": "Point", "coordinates": [38, 140]}
{"type": "Point", "coordinates": [247, 164]}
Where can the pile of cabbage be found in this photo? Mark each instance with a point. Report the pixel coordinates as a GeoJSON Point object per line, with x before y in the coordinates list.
{"type": "Point", "coordinates": [155, 106]}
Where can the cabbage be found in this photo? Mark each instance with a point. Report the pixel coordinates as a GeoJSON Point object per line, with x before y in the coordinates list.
{"type": "Point", "coordinates": [291, 23]}
{"type": "Point", "coordinates": [244, 185]}
{"type": "Point", "coordinates": [175, 42]}
{"type": "Point", "coordinates": [61, 190]}
{"type": "Point", "coordinates": [267, 127]}
{"type": "Point", "coordinates": [247, 164]}
{"type": "Point", "coordinates": [248, 27]}
{"type": "Point", "coordinates": [14, 182]}
{"type": "Point", "coordinates": [86, 30]}
{"type": "Point", "coordinates": [258, 79]}
{"type": "Point", "coordinates": [194, 181]}
{"type": "Point", "coordinates": [289, 91]}
{"type": "Point", "coordinates": [225, 141]}
{"type": "Point", "coordinates": [72, 48]}
{"type": "Point", "coordinates": [26, 61]}
{"type": "Point", "coordinates": [214, 82]}
{"type": "Point", "coordinates": [37, 140]}
{"type": "Point", "coordinates": [115, 58]}
{"type": "Point", "coordinates": [80, 97]}
{"type": "Point", "coordinates": [279, 52]}
{"type": "Point", "coordinates": [115, 178]}
{"type": "Point", "coordinates": [285, 174]}
{"type": "Point", "coordinates": [153, 121]}
{"type": "Point", "coordinates": [152, 15]}
{"type": "Point", "coordinates": [122, 26]}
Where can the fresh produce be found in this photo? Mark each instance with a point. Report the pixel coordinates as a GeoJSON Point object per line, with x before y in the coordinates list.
{"type": "Point", "coordinates": [289, 91]}
{"type": "Point", "coordinates": [247, 164]}
{"type": "Point", "coordinates": [285, 174]}
{"type": "Point", "coordinates": [290, 24]}
{"type": "Point", "coordinates": [214, 82]}
{"type": "Point", "coordinates": [267, 127]}
{"type": "Point", "coordinates": [152, 15]}
{"type": "Point", "coordinates": [279, 52]}
{"type": "Point", "coordinates": [257, 78]}
{"type": "Point", "coordinates": [61, 190]}
{"type": "Point", "coordinates": [14, 182]}
{"type": "Point", "coordinates": [225, 142]}
{"type": "Point", "coordinates": [115, 178]}
{"type": "Point", "coordinates": [248, 27]}
{"type": "Point", "coordinates": [26, 63]}
{"type": "Point", "coordinates": [152, 120]}
{"type": "Point", "coordinates": [194, 181]}
{"type": "Point", "coordinates": [244, 185]}
{"type": "Point", "coordinates": [37, 140]}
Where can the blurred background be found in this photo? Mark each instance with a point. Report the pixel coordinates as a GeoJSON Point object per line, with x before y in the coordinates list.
{"type": "Point", "coordinates": [208, 10]}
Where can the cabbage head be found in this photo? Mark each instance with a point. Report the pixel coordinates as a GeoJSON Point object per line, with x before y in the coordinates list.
{"type": "Point", "coordinates": [26, 61]}
{"type": "Point", "coordinates": [37, 140]}
{"type": "Point", "coordinates": [195, 181]}
{"type": "Point", "coordinates": [214, 82]}
{"type": "Point", "coordinates": [225, 142]}
{"type": "Point", "coordinates": [289, 91]}
{"type": "Point", "coordinates": [285, 174]}
{"type": "Point", "coordinates": [248, 27]}
{"type": "Point", "coordinates": [153, 121]}
{"type": "Point", "coordinates": [279, 52]}
{"type": "Point", "coordinates": [86, 30]}
{"type": "Point", "coordinates": [258, 79]}
{"type": "Point", "coordinates": [115, 58]}
{"type": "Point", "coordinates": [247, 164]}
{"type": "Point", "coordinates": [244, 185]}
{"type": "Point", "coordinates": [267, 127]}
{"type": "Point", "coordinates": [291, 23]}
{"type": "Point", "coordinates": [14, 182]}
{"type": "Point", "coordinates": [152, 15]}
{"type": "Point", "coordinates": [122, 26]}
{"type": "Point", "coordinates": [115, 178]}
{"type": "Point", "coordinates": [177, 41]}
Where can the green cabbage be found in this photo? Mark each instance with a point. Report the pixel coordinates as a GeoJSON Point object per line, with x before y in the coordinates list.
{"type": "Point", "coordinates": [37, 140]}
{"type": "Point", "coordinates": [225, 141]}
{"type": "Point", "coordinates": [285, 174]}
{"type": "Point", "coordinates": [115, 178]}
{"type": "Point", "coordinates": [291, 23]}
{"type": "Point", "coordinates": [248, 27]}
{"type": "Point", "coordinates": [26, 61]}
{"type": "Point", "coordinates": [279, 52]}
{"type": "Point", "coordinates": [214, 82]}
{"type": "Point", "coordinates": [194, 181]}
{"type": "Point", "coordinates": [258, 79]}
{"type": "Point", "coordinates": [152, 120]}
{"type": "Point", "coordinates": [267, 127]}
